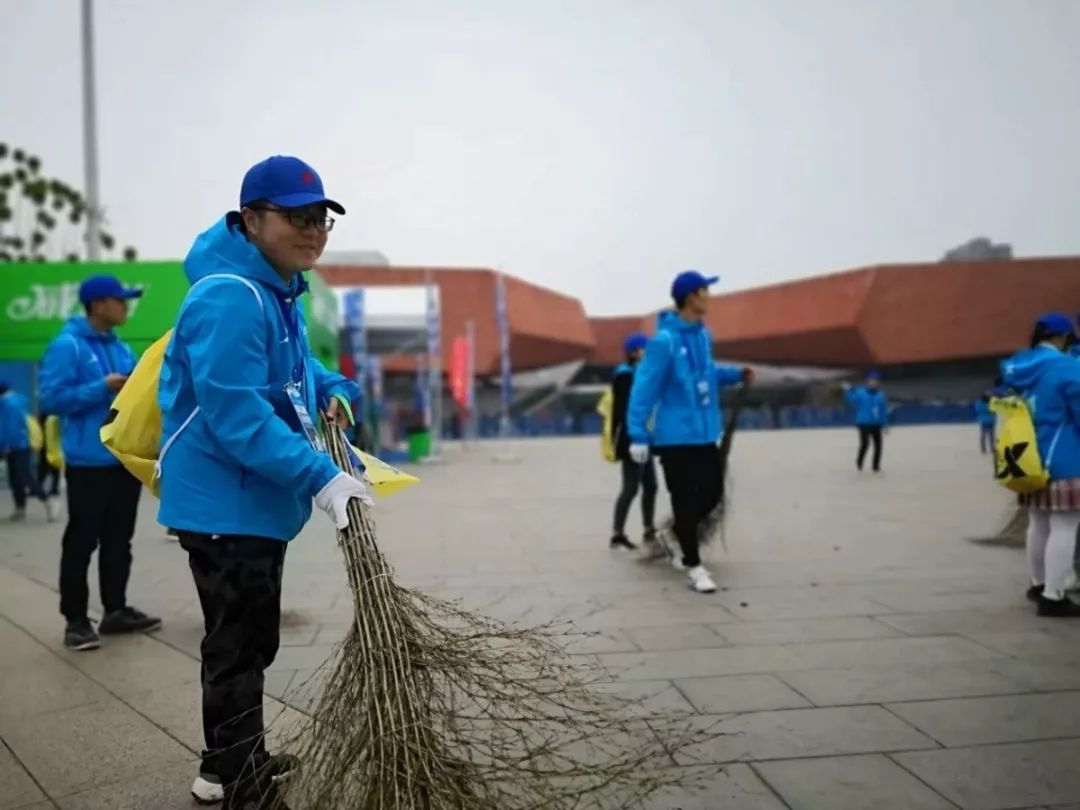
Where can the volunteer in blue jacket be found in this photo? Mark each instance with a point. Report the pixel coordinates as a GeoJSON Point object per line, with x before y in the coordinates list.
{"type": "Point", "coordinates": [1049, 380]}
{"type": "Point", "coordinates": [240, 464]}
{"type": "Point", "coordinates": [871, 416]}
{"type": "Point", "coordinates": [635, 476]}
{"type": "Point", "coordinates": [678, 386]}
{"type": "Point", "coordinates": [82, 370]}
{"type": "Point", "coordinates": [15, 446]}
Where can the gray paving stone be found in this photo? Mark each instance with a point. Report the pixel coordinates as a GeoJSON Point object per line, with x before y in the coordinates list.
{"type": "Point", "coordinates": [979, 721]}
{"type": "Point", "coordinates": [839, 628]}
{"type": "Point", "coordinates": [676, 637]}
{"type": "Point", "coordinates": [740, 693]}
{"type": "Point", "coordinates": [44, 684]}
{"type": "Point", "coordinates": [887, 652]}
{"type": "Point", "coordinates": [128, 664]}
{"type": "Point", "coordinates": [294, 658]}
{"type": "Point", "coordinates": [651, 697]}
{"type": "Point", "coordinates": [1018, 618]}
{"type": "Point", "coordinates": [849, 783]}
{"type": "Point", "coordinates": [17, 788]}
{"type": "Point", "coordinates": [914, 681]}
{"type": "Point", "coordinates": [1045, 674]}
{"type": "Point", "coordinates": [1001, 777]}
{"type": "Point", "coordinates": [1029, 644]}
{"type": "Point", "coordinates": [610, 641]}
{"type": "Point", "coordinates": [778, 604]}
{"type": "Point", "coordinates": [54, 747]}
{"type": "Point", "coordinates": [165, 790]}
{"type": "Point", "coordinates": [804, 733]}
{"type": "Point", "coordinates": [736, 787]}
{"type": "Point", "coordinates": [698, 663]}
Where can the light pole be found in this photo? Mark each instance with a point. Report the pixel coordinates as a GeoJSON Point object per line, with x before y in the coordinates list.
{"type": "Point", "coordinates": [90, 146]}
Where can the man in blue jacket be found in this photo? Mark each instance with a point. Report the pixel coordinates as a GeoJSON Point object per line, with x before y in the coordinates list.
{"type": "Point", "coordinates": [240, 461]}
{"type": "Point", "coordinates": [15, 446]}
{"type": "Point", "coordinates": [987, 422]}
{"type": "Point", "coordinates": [678, 386]}
{"type": "Point", "coordinates": [82, 370]}
{"type": "Point", "coordinates": [871, 416]}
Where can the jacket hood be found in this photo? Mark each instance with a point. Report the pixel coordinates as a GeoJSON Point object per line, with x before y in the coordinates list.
{"type": "Point", "coordinates": [1023, 370]}
{"type": "Point", "coordinates": [78, 326]}
{"type": "Point", "coordinates": [670, 321]}
{"type": "Point", "coordinates": [223, 248]}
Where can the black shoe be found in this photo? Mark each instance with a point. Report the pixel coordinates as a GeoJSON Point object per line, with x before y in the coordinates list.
{"type": "Point", "coordinates": [127, 620]}
{"type": "Point", "coordinates": [621, 541]}
{"type": "Point", "coordinates": [1034, 592]}
{"type": "Point", "coordinates": [256, 794]}
{"type": "Point", "coordinates": [1058, 608]}
{"type": "Point", "coordinates": [207, 787]}
{"type": "Point", "coordinates": [79, 635]}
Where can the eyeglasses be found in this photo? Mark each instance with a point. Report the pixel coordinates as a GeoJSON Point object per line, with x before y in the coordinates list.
{"type": "Point", "coordinates": [300, 220]}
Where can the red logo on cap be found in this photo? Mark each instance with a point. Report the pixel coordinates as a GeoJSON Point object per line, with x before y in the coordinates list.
{"type": "Point", "coordinates": [307, 178]}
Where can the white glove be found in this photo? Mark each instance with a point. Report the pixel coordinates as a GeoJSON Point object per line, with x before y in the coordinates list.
{"type": "Point", "coordinates": [334, 498]}
{"type": "Point", "coordinates": [639, 453]}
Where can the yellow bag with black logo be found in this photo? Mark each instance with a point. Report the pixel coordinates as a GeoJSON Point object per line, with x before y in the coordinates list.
{"type": "Point", "coordinates": [132, 430]}
{"type": "Point", "coordinates": [1018, 466]}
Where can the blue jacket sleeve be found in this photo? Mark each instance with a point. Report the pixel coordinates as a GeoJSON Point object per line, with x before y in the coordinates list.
{"type": "Point", "coordinates": [645, 392]}
{"type": "Point", "coordinates": [229, 367]}
{"type": "Point", "coordinates": [331, 384]}
{"type": "Point", "coordinates": [61, 393]}
{"type": "Point", "coordinates": [852, 397]}
{"type": "Point", "coordinates": [7, 428]}
{"type": "Point", "coordinates": [727, 376]}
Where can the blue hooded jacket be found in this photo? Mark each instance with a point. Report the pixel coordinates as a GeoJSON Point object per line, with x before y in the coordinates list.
{"type": "Point", "coordinates": [73, 387]}
{"type": "Point", "coordinates": [1049, 382]}
{"type": "Point", "coordinates": [14, 435]}
{"type": "Point", "coordinates": [983, 415]}
{"type": "Point", "coordinates": [234, 459]}
{"type": "Point", "coordinates": [678, 380]}
{"type": "Point", "coordinates": [871, 407]}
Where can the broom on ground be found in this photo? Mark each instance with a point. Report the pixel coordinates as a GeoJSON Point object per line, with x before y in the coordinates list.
{"type": "Point", "coordinates": [428, 706]}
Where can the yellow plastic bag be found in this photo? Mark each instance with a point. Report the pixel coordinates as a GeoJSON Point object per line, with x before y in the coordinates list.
{"type": "Point", "coordinates": [54, 449]}
{"type": "Point", "coordinates": [33, 428]}
{"type": "Point", "coordinates": [1018, 466]}
{"type": "Point", "coordinates": [132, 430]}
{"type": "Point", "coordinates": [605, 407]}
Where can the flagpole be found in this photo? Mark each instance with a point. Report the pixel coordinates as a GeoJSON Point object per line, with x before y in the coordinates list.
{"type": "Point", "coordinates": [90, 142]}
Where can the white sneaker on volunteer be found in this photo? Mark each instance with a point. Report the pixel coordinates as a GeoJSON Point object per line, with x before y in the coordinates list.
{"type": "Point", "coordinates": [52, 509]}
{"type": "Point", "coordinates": [701, 580]}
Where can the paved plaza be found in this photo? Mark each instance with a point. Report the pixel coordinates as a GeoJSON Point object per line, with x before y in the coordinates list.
{"type": "Point", "coordinates": [863, 651]}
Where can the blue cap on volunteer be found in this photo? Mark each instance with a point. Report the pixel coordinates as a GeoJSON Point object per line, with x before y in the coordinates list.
{"type": "Point", "coordinates": [1055, 323]}
{"type": "Point", "coordinates": [97, 287]}
{"type": "Point", "coordinates": [873, 374]}
{"type": "Point", "coordinates": [689, 282]}
{"type": "Point", "coordinates": [286, 182]}
{"type": "Point", "coordinates": [634, 342]}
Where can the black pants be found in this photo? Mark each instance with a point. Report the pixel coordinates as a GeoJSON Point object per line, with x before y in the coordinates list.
{"type": "Point", "coordinates": [239, 585]}
{"type": "Point", "coordinates": [102, 506]}
{"type": "Point", "coordinates": [867, 434]}
{"type": "Point", "coordinates": [634, 477]}
{"type": "Point", "coordinates": [693, 477]}
{"type": "Point", "coordinates": [986, 438]}
{"type": "Point", "coordinates": [21, 478]}
{"type": "Point", "coordinates": [47, 472]}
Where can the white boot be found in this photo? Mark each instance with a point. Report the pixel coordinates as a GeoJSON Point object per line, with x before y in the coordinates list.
{"type": "Point", "coordinates": [702, 581]}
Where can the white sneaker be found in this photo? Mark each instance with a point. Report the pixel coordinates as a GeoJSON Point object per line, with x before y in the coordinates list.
{"type": "Point", "coordinates": [51, 509]}
{"type": "Point", "coordinates": [1071, 583]}
{"type": "Point", "coordinates": [676, 561]}
{"type": "Point", "coordinates": [206, 791]}
{"type": "Point", "coordinates": [702, 582]}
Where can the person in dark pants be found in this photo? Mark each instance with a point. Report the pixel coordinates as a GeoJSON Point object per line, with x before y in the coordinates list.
{"type": "Point", "coordinates": [82, 370]}
{"type": "Point", "coordinates": [240, 460]}
{"type": "Point", "coordinates": [987, 422]}
{"type": "Point", "coordinates": [48, 475]}
{"type": "Point", "coordinates": [677, 387]}
{"type": "Point", "coordinates": [871, 416]}
{"type": "Point", "coordinates": [15, 445]}
{"type": "Point", "coordinates": [634, 476]}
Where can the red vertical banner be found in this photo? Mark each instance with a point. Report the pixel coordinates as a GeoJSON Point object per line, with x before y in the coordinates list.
{"type": "Point", "coordinates": [460, 361]}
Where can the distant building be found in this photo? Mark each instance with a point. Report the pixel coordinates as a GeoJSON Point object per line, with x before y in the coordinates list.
{"type": "Point", "coordinates": [979, 249]}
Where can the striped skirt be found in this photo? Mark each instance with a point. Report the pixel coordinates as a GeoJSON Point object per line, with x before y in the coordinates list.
{"type": "Point", "coordinates": [1060, 496]}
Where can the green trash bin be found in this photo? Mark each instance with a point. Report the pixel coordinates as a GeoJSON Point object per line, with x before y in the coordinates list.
{"type": "Point", "coordinates": [419, 444]}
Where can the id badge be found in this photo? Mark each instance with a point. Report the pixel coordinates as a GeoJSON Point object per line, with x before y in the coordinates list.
{"type": "Point", "coordinates": [703, 391]}
{"type": "Point", "coordinates": [296, 397]}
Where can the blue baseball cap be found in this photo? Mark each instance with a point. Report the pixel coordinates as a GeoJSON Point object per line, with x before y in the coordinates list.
{"type": "Point", "coordinates": [873, 374]}
{"type": "Point", "coordinates": [638, 340]}
{"type": "Point", "coordinates": [287, 182]}
{"type": "Point", "coordinates": [1055, 323]}
{"type": "Point", "coordinates": [689, 282]}
{"type": "Point", "coordinates": [97, 287]}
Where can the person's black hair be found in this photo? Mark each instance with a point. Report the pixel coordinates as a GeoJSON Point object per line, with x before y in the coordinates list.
{"type": "Point", "coordinates": [1040, 334]}
{"type": "Point", "coordinates": [87, 306]}
{"type": "Point", "coordinates": [680, 302]}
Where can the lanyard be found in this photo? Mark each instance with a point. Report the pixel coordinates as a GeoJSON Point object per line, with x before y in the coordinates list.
{"type": "Point", "coordinates": [289, 313]}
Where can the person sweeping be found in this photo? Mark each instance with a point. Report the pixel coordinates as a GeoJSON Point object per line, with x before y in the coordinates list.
{"type": "Point", "coordinates": [240, 460]}
{"type": "Point", "coordinates": [678, 387]}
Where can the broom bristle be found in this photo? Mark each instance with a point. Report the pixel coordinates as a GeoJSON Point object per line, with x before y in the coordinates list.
{"type": "Point", "coordinates": [428, 706]}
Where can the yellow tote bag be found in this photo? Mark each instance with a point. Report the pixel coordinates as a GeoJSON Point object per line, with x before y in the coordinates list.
{"type": "Point", "coordinates": [54, 449]}
{"type": "Point", "coordinates": [1018, 466]}
{"type": "Point", "coordinates": [605, 407]}
{"type": "Point", "coordinates": [33, 428]}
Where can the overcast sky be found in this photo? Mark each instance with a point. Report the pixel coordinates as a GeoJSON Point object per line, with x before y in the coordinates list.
{"type": "Point", "coordinates": [593, 146]}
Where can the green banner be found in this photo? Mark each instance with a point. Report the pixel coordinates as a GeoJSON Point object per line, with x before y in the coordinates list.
{"type": "Point", "coordinates": [36, 300]}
